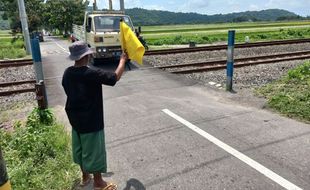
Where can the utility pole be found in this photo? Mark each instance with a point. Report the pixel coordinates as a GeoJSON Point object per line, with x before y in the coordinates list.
{"type": "Point", "coordinates": [122, 6]}
{"type": "Point", "coordinates": [23, 19]}
{"type": "Point", "coordinates": [95, 6]}
{"type": "Point", "coordinates": [110, 5]}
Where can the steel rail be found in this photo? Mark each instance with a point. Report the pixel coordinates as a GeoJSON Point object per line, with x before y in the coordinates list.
{"type": "Point", "coordinates": [223, 61]}
{"type": "Point", "coordinates": [223, 47]}
{"type": "Point", "coordinates": [15, 64]}
{"type": "Point", "coordinates": [219, 67]}
{"type": "Point", "coordinates": [6, 84]}
{"type": "Point", "coordinates": [14, 60]}
{"type": "Point", "coordinates": [11, 92]}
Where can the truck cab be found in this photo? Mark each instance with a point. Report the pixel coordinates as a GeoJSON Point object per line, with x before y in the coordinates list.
{"type": "Point", "coordinates": [101, 31]}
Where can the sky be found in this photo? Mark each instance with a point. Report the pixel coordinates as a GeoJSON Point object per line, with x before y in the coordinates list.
{"type": "Point", "coordinates": [210, 7]}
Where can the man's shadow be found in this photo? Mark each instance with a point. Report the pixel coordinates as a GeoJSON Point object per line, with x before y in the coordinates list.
{"type": "Point", "coordinates": [134, 184]}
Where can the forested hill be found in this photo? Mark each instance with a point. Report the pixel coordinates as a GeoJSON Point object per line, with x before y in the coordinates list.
{"type": "Point", "coordinates": [156, 17]}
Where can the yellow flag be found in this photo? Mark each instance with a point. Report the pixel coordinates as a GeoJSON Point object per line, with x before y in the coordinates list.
{"type": "Point", "coordinates": [6, 186]}
{"type": "Point", "coordinates": [131, 44]}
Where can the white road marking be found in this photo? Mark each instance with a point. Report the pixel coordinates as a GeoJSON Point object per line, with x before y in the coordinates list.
{"type": "Point", "coordinates": [257, 166]}
{"type": "Point", "coordinates": [212, 83]}
{"type": "Point", "coordinates": [62, 48]}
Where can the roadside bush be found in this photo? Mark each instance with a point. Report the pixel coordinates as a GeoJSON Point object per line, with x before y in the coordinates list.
{"type": "Point", "coordinates": [206, 38]}
{"type": "Point", "coordinates": [11, 53]}
{"type": "Point", "coordinates": [291, 95]}
{"type": "Point", "coordinates": [38, 155]}
{"type": "Point", "coordinates": [11, 48]}
{"type": "Point", "coordinates": [301, 73]}
{"type": "Point", "coordinates": [291, 32]}
{"type": "Point", "coordinates": [262, 36]}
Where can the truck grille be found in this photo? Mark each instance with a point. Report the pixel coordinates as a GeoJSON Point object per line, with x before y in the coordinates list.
{"type": "Point", "coordinates": [108, 52]}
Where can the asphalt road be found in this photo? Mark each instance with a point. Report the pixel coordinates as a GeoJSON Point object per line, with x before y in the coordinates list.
{"type": "Point", "coordinates": [216, 144]}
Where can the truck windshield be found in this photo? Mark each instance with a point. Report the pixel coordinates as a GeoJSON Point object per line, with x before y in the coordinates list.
{"type": "Point", "coordinates": [110, 23]}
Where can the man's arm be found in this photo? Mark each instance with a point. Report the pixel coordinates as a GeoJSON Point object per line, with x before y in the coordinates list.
{"type": "Point", "coordinates": [121, 66]}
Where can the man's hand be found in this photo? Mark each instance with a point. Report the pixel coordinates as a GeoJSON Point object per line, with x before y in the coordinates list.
{"type": "Point", "coordinates": [124, 57]}
{"type": "Point", "coordinates": [121, 66]}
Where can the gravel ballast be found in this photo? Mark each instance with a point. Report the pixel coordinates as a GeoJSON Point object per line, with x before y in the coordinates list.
{"type": "Point", "coordinates": [245, 78]}
{"type": "Point", "coordinates": [13, 74]}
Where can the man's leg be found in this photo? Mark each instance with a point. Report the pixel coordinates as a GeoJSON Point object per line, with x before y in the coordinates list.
{"type": "Point", "coordinates": [85, 177]}
{"type": "Point", "coordinates": [77, 156]}
{"type": "Point", "coordinates": [94, 158]}
{"type": "Point", "coordinates": [98, 181]}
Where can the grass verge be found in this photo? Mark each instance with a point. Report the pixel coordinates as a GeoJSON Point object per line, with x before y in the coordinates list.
{"type": "Point", "coordinates": [291, 94]}
{"type": "Point", "coordinates": [207, 38]}
{"type": "Point", "coordinates": [38, 153]}
{"type": "Point", "coordinates": [12, 48]}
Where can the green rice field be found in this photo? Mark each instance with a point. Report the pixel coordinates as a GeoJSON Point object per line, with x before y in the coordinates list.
{"type": "Point", "coordinates": [211, 33]}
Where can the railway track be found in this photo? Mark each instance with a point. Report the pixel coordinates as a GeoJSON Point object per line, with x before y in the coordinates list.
{"type": "Point", "coordinates": [224, 47]}
{"type": "Point", "coordinates": [240, 62]}
{"type": "Point", "coordinates": [16, 63]}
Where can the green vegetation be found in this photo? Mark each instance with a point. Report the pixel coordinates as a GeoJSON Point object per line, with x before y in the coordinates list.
{"type": "Point", "coordinates": [48, 14]}
{"type": "Point", "coordinates": [11, 47]}
{"type": "Point", "coordinates": [222, 26]}
{"type": "Point", "coordinates": [157, 17]}
{"type": "Point", "coordinates": [4, 24]}
{"type": "Point", "coordinates": [291, 94]}
{"type": "Point", "coordinates": [38, 153]}
{"type": "Point", "coordinates": [211, 35]}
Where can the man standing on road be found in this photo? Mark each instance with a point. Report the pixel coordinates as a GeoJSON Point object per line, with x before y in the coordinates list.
{"type": "Point", "coordinates": [84, 108]}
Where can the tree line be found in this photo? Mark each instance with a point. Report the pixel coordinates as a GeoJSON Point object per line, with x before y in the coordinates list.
{"type": "Point", "coordinates": [158, 17]}
{"type": "Point", "coordinates": [48, 14]}
{"type": "Point", "coordinates": [61, 14]}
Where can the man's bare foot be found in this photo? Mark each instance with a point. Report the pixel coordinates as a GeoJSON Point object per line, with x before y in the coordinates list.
{"type": "Point", "coordinates": [100, 184]}
{"type": "Point", "coordinates": [109, 186]}
{"type": "Point", "coordinates": [98, 181]}
{"type": "Point", "coordinates": [86, 178]}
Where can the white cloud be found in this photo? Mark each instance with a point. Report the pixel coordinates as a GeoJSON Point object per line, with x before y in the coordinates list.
{"type": "Point", "coordinates": [104, 4]}
{"type": "Point", "coordinates": [253, 7]}
{"type": "Point", "coordinates": [194, 6]}
{"type": "Point", "coordinates": [297, 6]}
{"type": "Point", "coordinates": [301, 7]}
{"type": "Point", "coordinates": [171, 3]}
{"type": "Point", "coordinates": [154, 7]}
{"type": "Point", "coordinates": [291, 4]}
{"type": "Point", "coordinates": [132, 3]}
{"type": "Point", "coordinates": [282, 3]}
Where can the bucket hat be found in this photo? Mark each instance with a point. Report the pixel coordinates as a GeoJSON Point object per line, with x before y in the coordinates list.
{"type": "Point", "coordinates": [78, 50]}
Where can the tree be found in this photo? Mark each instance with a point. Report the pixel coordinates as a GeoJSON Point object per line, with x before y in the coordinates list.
{"type": "Point", "coordinates": [61, 14]}
{"type": "Point", "coordinates": [34, 9]}
{"type": "Point", "coordinates": [50, 14]}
